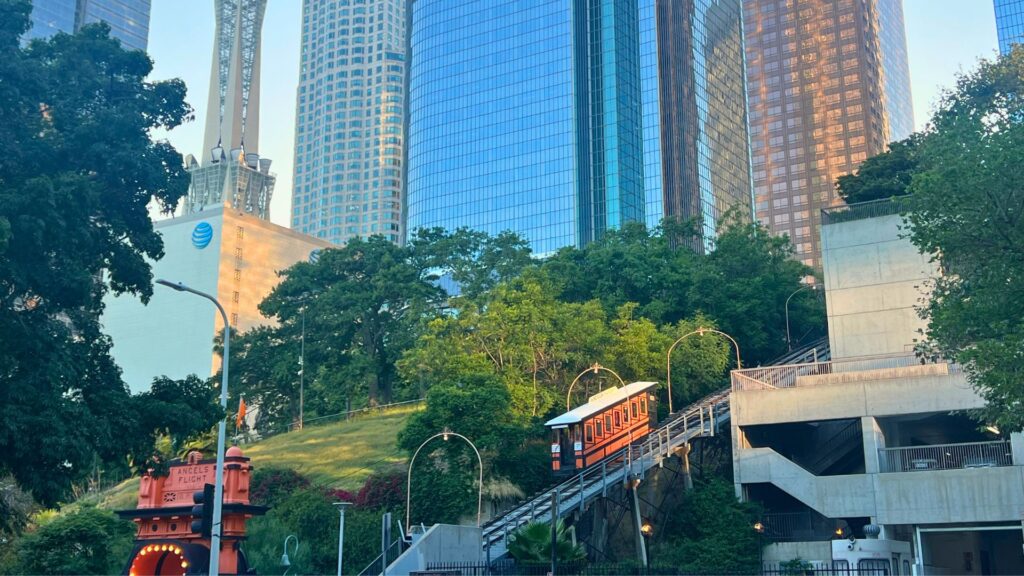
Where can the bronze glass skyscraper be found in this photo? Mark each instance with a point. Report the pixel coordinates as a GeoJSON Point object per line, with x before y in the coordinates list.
{"type": "Point", "coordinates": [828, 86]}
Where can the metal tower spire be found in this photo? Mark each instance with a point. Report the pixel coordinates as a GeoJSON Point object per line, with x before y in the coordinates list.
{"type": "Point", "coordinates": [230, 170]}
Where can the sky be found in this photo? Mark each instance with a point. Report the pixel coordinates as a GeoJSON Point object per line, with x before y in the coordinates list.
{"type": "Point", "coordinates": [944, 37]}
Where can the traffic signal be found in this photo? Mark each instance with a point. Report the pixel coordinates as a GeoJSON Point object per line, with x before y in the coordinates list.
{"type": "Point", "coordinates": [202, 512]}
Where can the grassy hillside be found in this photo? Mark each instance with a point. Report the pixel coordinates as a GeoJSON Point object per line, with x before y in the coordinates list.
{"type": "Point", "coordinates": [339, 455]}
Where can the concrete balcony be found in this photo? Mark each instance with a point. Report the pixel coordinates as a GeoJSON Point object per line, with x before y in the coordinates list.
{"type": "Point", "coordinates": [946, 457]}
{"type": "Point", "coordinates": [888, 386]}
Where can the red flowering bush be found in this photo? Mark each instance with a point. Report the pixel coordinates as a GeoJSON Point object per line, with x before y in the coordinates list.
{"type": "Point", "coordinates": [382, 490]}
{"type": "Point", "coordinates": [271, 485]}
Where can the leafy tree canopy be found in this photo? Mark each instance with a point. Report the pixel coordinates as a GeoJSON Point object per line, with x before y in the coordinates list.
{"type": "Point", "coordinates": [966, 208]}
{"type": "Point", "coordinates": [885, 175]}
{"type": "Point", "coordinates": [77, 171]}
{"type": "Point", "coordinates": [86, 541]}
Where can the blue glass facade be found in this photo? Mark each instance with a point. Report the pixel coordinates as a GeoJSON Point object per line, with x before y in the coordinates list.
{"type": "Point", "coordinates": [892, 45]}
{"type": "Point", "coordinates": [491, 119]}
{"type": "Point", "coordinates": [128, 19]}
{"type": "Point", "coordinates": [695, 115]}
{"type": "Point", "coordinates": [1009, 23]}
{"type": "Point", "coordinates": [50, 17]}
{"type": "Point", "coordinates": [550, 117]}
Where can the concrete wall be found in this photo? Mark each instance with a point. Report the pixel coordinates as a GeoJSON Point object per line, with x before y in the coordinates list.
{"type": "Point", "coordinates": [946, 496]}
{"type": "Point", "coordinates": [926, 497]}
{"type": "Point", "coordinates": [778, 552]}
{"type": "Point", "coordinates": [873, 280]}
{"type": "Point", "coordinates": [441, 543]}
{"type": "Point", "coordinates": [173, 335]}
{"type": "Point", "coordinates": [915, 394]}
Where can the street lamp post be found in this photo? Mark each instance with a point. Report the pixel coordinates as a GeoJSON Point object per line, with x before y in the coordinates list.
{"type": "Point", "coordinates": [789, 342]}
{"type": "Point", "coordinates": [759, 528]}
{"type": "Point", "coordinates": [218, 483]}
{"type": "Point", "coordinates": [286, 563]}
{"type": "Point", "coordinates": [302, 367]}
{"type": "Point", "coordinates": [341, 530]}
{"type": "Point", "coordinates": [408, 481]}
{"type": "Point", "coordinates": [668, 357]}
{"type": "Point", "coordinates": [595, 368]}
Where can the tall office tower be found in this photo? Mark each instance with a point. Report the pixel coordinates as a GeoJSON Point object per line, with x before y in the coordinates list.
{"type": "Point", "coordinates": [1009, 23]}
{"type": "Point", "coordinates": [128, 19]}
{"type": "Point", "coordinates": [239, 177]}
{"type": "Point", "coordinates": [350, 120]}
{"type": "Point", "coordinates": [828, 86]}
{"type": "Point", "coordinates": [559, 120]}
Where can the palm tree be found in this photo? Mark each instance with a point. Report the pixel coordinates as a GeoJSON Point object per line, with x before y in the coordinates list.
{"type": "Point", "coordinates": [531, 542]}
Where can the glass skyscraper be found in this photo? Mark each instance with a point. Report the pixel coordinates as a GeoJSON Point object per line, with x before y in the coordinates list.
{"type": "Point", "coordinates": [128, 19]}
{"type": "Point", "coordinates": [560, 119]}
{"type": "Point", "coordinates": [1009, 23]}
{"type": "Point", "coordinates": [350, 120]}
{"type": "Point", "coordinates": [828, 86]}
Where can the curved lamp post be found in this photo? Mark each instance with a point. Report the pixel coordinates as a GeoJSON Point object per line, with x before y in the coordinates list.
{"type": "Point", "coordinates": [815, 287]}
{"type": "Point", "coordinates": [218, 483]}
{"type": "Point", "coordinates": [408, 480]}
{"type": "Point", "coordinates": [668, 357]}
{"type": "Point", "coordinates": [285, 562]}
{"type": "Point", "coordinates": [595, 368]}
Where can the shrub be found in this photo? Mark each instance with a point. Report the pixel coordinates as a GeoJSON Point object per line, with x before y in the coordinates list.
{"type": "Point", "coordinates": [86, 541]}
{"type": "Point", "coordinates": [273, 484]}
{"type": "Point", "coordinates": [383, 491]}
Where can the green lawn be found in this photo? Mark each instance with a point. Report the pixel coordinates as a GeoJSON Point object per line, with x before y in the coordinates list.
{"type": "Point", "coordinates": [339, 455]}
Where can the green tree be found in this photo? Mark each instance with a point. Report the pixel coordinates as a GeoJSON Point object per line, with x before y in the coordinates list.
{"type": "Point", "coordinates": [743, 285]}
{"type": "Point", "coordinates": [531, 544]}
{"type": "Point", "coordinates": [172, 411]}
{"type": "Point", "coordinates": [966, 208]}
{"type": "Point", "coordinates": [474, 260]}
{"type": "Point", "coordinates": [77, 171]}
{"type": "Point", "coordinates": [362, 302]}
{"type": "Point", "coordinates": [711, 533]}
{"type": "Point", "coordinates": [885, 175]}
{"type": "Point", "coordinates": [86, 541]}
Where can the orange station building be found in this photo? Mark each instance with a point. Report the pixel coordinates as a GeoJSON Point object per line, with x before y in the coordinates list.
{"type": "Point", "coordinates": [165, 543]}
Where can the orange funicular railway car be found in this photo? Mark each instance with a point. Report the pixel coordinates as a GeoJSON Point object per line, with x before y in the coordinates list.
{"type": "Point", "coordinates": [608, 422]}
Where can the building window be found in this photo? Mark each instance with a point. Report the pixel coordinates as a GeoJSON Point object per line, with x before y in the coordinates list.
{"type": "Point", "coordinates": [234, 297]}
{"type": "Point", "coordinates": [234, 319]}
{"type": "Point", "coordinates": [240, 233]}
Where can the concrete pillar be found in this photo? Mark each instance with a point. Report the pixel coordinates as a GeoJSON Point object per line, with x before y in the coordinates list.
{"type": "Point", "coordinates": [739, 443]}
{"type": "Point", "coordinates": [1017, 447]}
{"type": "Point", "coordinates": [874, 440]}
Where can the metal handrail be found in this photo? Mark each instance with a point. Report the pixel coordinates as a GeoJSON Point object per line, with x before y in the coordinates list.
{"type": "Point", "coordinates": [786, 376]}
{"type": "Point", "coordinates": [955, 456]}
{"type": "Point", "coordinates": [862, 210]}
{"type": "Point", "coordinates": [697, 420]}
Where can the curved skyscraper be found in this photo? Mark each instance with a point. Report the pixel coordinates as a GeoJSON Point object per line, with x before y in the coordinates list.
{"type": "Point", "coordinates": [350, 120]}
{"type": "Point", "coordinates": [561, 119]}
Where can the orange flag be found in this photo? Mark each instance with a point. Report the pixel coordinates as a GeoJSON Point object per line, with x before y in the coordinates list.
{"type": "Point", "coordinates": [241, 413]}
